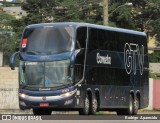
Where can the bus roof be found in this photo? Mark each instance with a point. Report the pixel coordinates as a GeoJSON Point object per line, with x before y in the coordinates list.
{"type": "Point", "coordinates": [79, 24]}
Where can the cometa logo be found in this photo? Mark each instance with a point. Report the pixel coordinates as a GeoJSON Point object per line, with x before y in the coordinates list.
{"type": "Point", "coordinates": [103, 59]}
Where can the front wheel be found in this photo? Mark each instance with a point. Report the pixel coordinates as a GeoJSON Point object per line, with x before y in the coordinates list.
{"type": "Point", "coordinates": [85, 109]}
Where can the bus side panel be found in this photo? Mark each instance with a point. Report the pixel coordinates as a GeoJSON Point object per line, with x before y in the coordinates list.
{"type": "Point", "coordinates": [115, 63]}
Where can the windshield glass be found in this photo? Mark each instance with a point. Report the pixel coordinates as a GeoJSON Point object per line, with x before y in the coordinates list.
{"type": "Point", "coordinates": [44, 74]}
{"type": "Point", "coordinates": [47, 40]}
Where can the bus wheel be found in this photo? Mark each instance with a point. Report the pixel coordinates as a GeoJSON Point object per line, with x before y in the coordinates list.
{"type": "Point", "coordinates": [42, 111]}
{"type": "Point", "coordinates": [131, 106]}
{"type": "Point", "coordinates": [136, 106]}
{"type": "Point", "coordinates": [94, 106]}
{"type": "Point", "coordinates": [129, 110]}
{"type": "Point", "coordinates": [85, 110]}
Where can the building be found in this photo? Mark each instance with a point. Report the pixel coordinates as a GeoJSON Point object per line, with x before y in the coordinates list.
{"type": "Point", "coordinates": [14, 1]}
{"type": "Point", "coordinates": [6, 0]}
{"type": "Point", "coordinates": [15, 11]}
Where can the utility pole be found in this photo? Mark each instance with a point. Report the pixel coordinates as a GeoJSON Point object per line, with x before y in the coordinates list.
{"type": "Point", "coordinates": [105, 12]}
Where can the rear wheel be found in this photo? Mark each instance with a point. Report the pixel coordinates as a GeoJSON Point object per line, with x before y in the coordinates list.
{"type": "Point", "coordinates": [85, 109]}
{"type": "Point", "coordinates": [42, 111]}
{"type": "Point", "coordinates": [136, 106]}
{"type": "Point", "coordinates": [131, 106]}
{"type": "Point", "coordinates": [129, 110]}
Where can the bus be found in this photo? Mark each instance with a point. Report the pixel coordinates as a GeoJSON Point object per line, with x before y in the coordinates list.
{"type": "Point", "coordinates": [72, 66]}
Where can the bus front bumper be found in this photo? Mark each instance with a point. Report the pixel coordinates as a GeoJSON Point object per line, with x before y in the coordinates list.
{"type": "Point", "coordinates": [65, 100]}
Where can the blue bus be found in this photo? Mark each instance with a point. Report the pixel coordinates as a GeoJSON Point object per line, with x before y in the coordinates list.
{"type": "Point", "coordinates": [71, 66]}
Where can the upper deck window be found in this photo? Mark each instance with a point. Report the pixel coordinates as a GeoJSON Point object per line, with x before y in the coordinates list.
{"type": "Point", "coordinates": [81, 37]}
{"type": "Point", "coordinates": [48, 40]}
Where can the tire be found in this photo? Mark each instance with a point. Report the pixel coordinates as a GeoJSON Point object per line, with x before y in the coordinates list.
{"type": "Point", "coordinates": [136, 106]}
{"type": "Point", "coordinates": [42, 111]}
{"type": "Point", "coordinates": [93, 106]}
{"type": "Point", "coordinates": [131, 106]}
{"type": "Point", "coordinates": [129, 110]}
{"type": "Point", "coordinates": [85, 109]}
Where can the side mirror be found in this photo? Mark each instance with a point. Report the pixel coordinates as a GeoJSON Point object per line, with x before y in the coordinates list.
{"type": "Point", "coordinates": [12, 60]}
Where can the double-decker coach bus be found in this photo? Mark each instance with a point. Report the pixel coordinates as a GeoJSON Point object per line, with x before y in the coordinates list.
{"type": "Point", "coordinates": [82, 67]}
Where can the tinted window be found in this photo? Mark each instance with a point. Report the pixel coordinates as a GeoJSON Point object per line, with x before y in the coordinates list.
{"type": "Point", "coordinates": [93, 39]}
{"type": "Point", "coordinates": [81, 37]}
{"type": "Point", "coordinates": [48, 40]}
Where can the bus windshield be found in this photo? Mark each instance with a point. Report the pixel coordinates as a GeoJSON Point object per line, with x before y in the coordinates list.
{"type": "Point", "coordinates": [47, 40]}
{"type": "Point", "coordinates": [44, 74]}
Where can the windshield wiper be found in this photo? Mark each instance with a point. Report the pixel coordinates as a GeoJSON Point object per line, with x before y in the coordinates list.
{"type": "Point", "coordinates": [30, 85]}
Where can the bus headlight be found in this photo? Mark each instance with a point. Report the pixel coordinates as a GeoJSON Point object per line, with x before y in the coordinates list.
{"type": "Point", "coordinates": [22, 95]}
{"type": "Point", "coordinates": [67, 94]}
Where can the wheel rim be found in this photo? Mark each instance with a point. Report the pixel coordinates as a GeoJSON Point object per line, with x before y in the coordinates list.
{"type": "Point", "coordinates": [95, 105]}
{"type": "Point", "coordinates": [86, 105]}
{"type": "Point", "coordinates": [136, 104]}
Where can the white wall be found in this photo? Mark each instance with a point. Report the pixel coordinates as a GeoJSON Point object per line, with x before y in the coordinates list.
{"type": "Point", "coordinates": [8, 88]}
{"type": "Point", "coordinates": [1, 59]}
{"type": "Point", "coordinates": [150, 106]}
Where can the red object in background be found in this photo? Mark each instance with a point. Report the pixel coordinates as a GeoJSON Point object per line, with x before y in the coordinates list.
{"type": "Point", "coordinates": [24, 42]}
{"type": "Point", "coordinates": [156, 94]}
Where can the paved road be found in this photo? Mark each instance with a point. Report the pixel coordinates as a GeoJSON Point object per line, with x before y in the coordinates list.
{"type": "Point", "coordinates": [85, 121]}
{"type": "Point", "coordinates": [105, 117]}
{"type": "Point", "coordinates": [30, 112]}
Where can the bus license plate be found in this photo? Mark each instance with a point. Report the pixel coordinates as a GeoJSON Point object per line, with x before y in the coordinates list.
{"type": "Point", "coordinates": [44, 104]}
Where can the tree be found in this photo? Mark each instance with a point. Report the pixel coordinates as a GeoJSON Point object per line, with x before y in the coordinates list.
{"type": "Point", "coordinates": [154, 57]}
{"type": "Point", "coordinates": [62, 10]}
{"type": "Point", "coordinates": [121, 14]}
{"type": "Point", "coordinates": [82, 11]}
{"type": "Point", "coordinates": [5, 21]}
{"type": "Point", "coordinates": [7, 36]}
{"type": "Point", "coordinates": [144, 15]}
{"type": "Point", "coordinates": [40, 11]}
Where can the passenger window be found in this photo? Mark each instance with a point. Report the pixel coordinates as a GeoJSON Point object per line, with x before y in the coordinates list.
{"type": "Point", "coordinates": [81, 37]}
